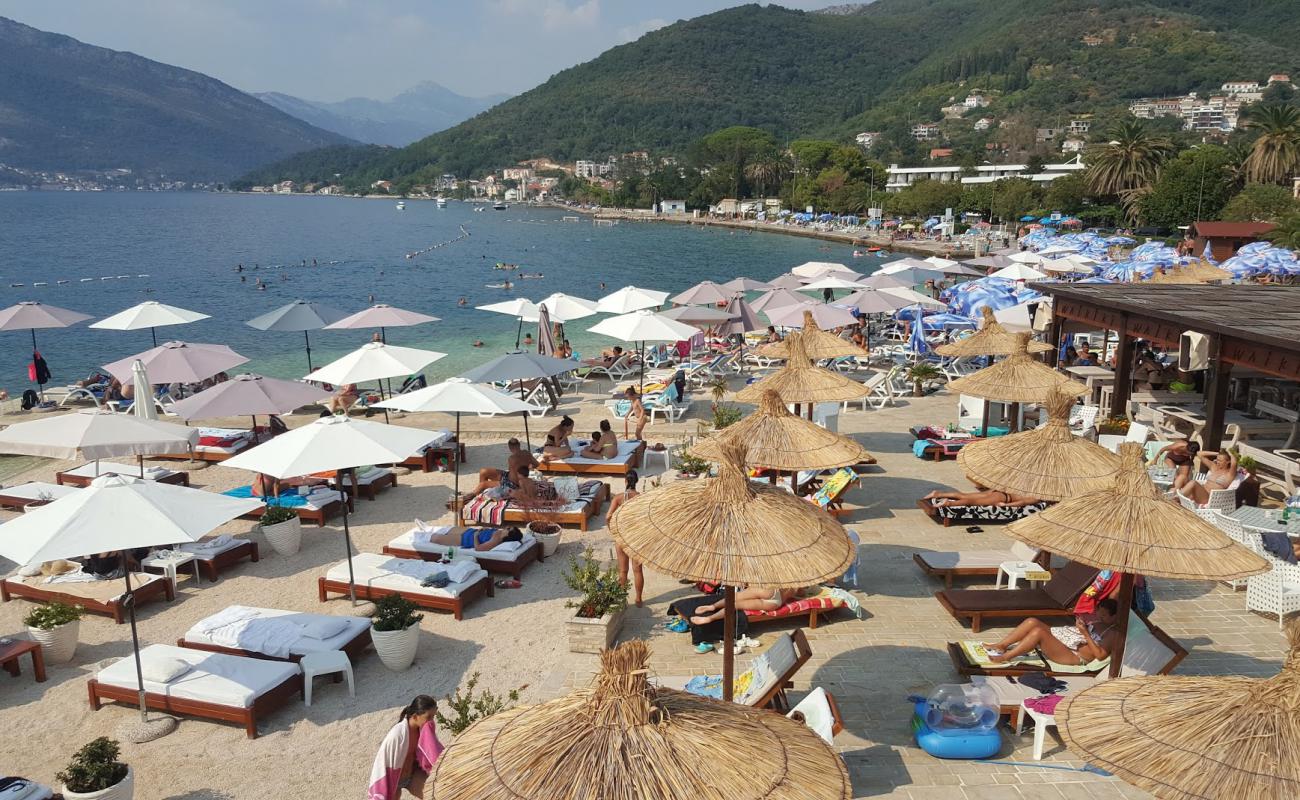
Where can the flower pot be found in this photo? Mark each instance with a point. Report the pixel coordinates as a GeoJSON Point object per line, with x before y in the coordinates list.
{"type": "Point", "coordinates": [593, 634]}
{"type": "Point", "coordinates": [57, 644]}
{"type": "Point", "coordinates": [284, 537]}
{"type": "Point", "coordinates": [122, 790]}
{"type": "Point", "coordinates": [548, 533]}
{"type": "Point", "coordinates": [396, 648]}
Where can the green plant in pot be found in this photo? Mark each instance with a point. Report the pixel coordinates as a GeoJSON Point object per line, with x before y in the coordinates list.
{"type": "Point", "coordinates": [601, 601]}
{"type": "Point", "coordinates": [282, 528]}
{"type": "Point", "coordinates": [1113, 426]}
{"type": "Point", "coordinates": [55, 627]}
{"type": "Point", "coordinates": [96, 772]}
{"type": "Point", "coordinates": [395, 630]}
{"type": "Point", "coordinates": [920, 374]}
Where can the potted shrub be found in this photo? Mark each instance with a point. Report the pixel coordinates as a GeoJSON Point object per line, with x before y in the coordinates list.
{"type": "Point", "coordinates": [920, 374]}
{"type": "Point", "coordinates": [602, 599]}
{"type": "Point", "coordinates": [548, 533]}
{"type": "Point", "coordinates": [688, 466]}
{"type": "Point", "coordinates": [1113, 426]}
{"type": "Point", "coordinates": [395, 631]}
{"type": "Point", "coordinates": [95, 772]}
{"type": "Point", "coordinates": [54, 626]}
{"type": "Point", "coordinates": [282, 528]}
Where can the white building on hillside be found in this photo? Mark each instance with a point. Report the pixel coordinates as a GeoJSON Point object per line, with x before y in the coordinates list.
{"type": "Point", "coordinates": [900, 178]}
{"type": "Point", "coordinates": [867, 138]}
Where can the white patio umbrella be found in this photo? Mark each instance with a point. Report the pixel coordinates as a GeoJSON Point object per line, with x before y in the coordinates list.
{"type": "Point", "coordinates": [249, 394]}
{"type": "Point", "coordinates": [1071, 264]}
{"type": "Point", "coordinates": [119, 513]}
{"type": "Point", "coordinates": [520, 308]}
{"type": "Point", "coordinates": [32, 314]}
{"type": "Point", "coordinates": [703, 293]}
{"type": "Point", "coordinates": [1026, 257]}
{"type": "Point", "coordinates": [914, 298]}
{"type": "Point", "coordinates": [565, 307]}
{"type": "Point", "coordinates": [150, 314]}
{"type": "Point", "coordinates": [704, 316]}
{"type": "Point", "coordinates": [990, 261]}
{"type": "Point", "coordinates": [383, 317]}
{"type": "Point", "coordinates": [1019, 272]}
{"type": "Point", "coordinates": [374, 361]}
{"type": "Point", "coordinates": [787, 281]}
{"type": "Point", "coordinates": [826, 316]}
{"type": "Point", "coordinates": [629, 299]}
{"type": "Point", "coordinates": [830, 281]}
{"type": "Point", "coordinates": [178, 362]}
{"type": "Point", "coordinates": [941, 263]}
{"type": "Point", "coordinates": [94, 434]}
{"type": "Point", "coordinates": [873, 301]}
{"type": "Point", "coordinates": [641, 327]}
{"type": "Point", "coordinates": [300, 315]}
{"type": "Point", "coordinates": [519, 366]}
{"type": "Point", "coordinates": [878, 281]}
{"type": "Point", "coordinates": [458, 396]}
{"type": "Point", "coordinates": [911, 275]}
{"type": "Point", "coordinates": [777, 298]}
{"type": "Point", "coordinates": [1015, 318]}
{"type": "Point", "coordinates": [743, 284]}
{"type": "Point", "coordinates": [332, 443]}
{"type": "Point", "coordinates": [142, 404]}
{"type": "Point", "coordinates": [814, 269]}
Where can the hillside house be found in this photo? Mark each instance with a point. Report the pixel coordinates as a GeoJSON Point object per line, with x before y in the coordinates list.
{"type": "Point", "coordinates": [926, 131]}
{"type": "Point", "coordinates": [867, 138]}
{"type": "Point", "coordinates": [983, 123]}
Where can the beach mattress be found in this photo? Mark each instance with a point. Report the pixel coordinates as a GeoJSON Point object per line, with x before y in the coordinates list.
{"type": "Point", "coordinates": [101, 591]}
{"type": "Point", "coordinates": [244, 437]}
{"type": "Point", "coordinates": [408, 541]}
{"type": "Point", "coordinates": [626, 449]}
{"type": "Point", "coordinates": [112, 467]}
{"type": "Point", "coordinates": [968, 559]}
{"type": "Point", "coordinates": [209, 553]}
{"type": "Point", "coordinates": [304, 644]}
{"type": "Point", "coordinates": [213, 677]}
{"type": "Point", "coordinates": [398, 575]}
{"type": "Point", "coordinates": [440, 438]}
{"type": "Point", "coordinates": [33, 490]}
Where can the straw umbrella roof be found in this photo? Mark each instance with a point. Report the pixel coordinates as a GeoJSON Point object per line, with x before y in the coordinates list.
{"type": "Point", "coordinates": [1130, 527]}
{"type": "Point", "coordinates": [800, 382]}
{"type": "Point", "coordinates": [774, 438]}
{"type": "Point", "coordinates": [1194, 737]}
{"type": "Point", "coordinates": [1207, 272]}
{"type": "Point", "coordinates": [1049, 463]}
{"type": "Point", "coordinates": [817, 344]}
{"type": "Point", "coordinates": [731, 530]}
{"type": "Point", "coordinates": [1018, 378]}
{"type": "Point", "coordinates": [990, 340]}
{"type": "Point", "coordinates": [624, 739]}
{"type": "Point", "coordinates": [1181, 275]}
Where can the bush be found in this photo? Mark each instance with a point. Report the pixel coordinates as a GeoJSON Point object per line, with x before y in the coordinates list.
{"type": "Point", "coordinates": [600, 590]}
{"type": "Point", "coordinates": [274, 515]}
{"type": "Point", "coordinates": [94, 767]}
{"type": "Point", "coordinates": [724, 415]}
{"type": "Point", "coordinates": [49, 616]}
{"type": "Point", "coordinates": [394, 613]}
{"type": "Point", "coordinates": [685, 462]}
{"type": "Point", "coordinates": [464, 708]}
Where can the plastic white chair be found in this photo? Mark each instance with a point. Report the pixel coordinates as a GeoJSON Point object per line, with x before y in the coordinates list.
{"type": "Point", "coordinates": [325, 662]}
{"type": "Point", "coordinates": [1276, 591]}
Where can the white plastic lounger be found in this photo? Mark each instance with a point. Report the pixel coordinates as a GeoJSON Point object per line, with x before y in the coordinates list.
{"type": "Point", "coordinates": [352, 637]}
{"type": "Point", "coordinates": [380, 575]}
{"type": "Point", "coordinates": [508, 557]}
{"type": "Point", "coordinates": [217, 686]}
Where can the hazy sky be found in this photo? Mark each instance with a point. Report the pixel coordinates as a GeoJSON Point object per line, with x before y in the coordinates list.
{"type": "Point", "coordinates": [332, 49]}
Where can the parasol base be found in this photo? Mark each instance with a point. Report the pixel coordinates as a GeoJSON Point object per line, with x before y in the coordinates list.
{"type": "Point", "coordinates": [363, 609]}
{"type": "Point", "coordinates": [139, 732]}
{"type": "Point", "coordinates": [192, 466]}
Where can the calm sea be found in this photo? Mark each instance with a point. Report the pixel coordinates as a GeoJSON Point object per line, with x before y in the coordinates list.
{"type": "Point", "coordinates": [182, 249]}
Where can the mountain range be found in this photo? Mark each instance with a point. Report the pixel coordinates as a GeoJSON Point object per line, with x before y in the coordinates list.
{"type": "Point", "coordinates": [66, 105]}
{"type": "Point", "coordinates": [881, 66]}
{"type": "Point", "coordinates": [415, 113]}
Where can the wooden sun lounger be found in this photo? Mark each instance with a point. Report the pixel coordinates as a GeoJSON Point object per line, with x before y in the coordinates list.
{"type": "Point", "coordinates": [427, 461]}
{"type": "Point", "coordinates": [980, 563]}
{"type": "Point", "coordinates": [319, 516]}
{"type": "Point", "coordinates": [561, 466]}
{"type": "Point", "coordinates": [979, 515]}
{"type": "Point", "coordinates": [1056, 598]}
{"type": "Point", "coordinates": [500, 566]}
{"type": "Point", "coordinates": [812, 612]}
{"type": "Point", "coordinates": [201, 453]}
{"type": "Point", "coordinates": [581, 518]}
{"type": "Point", "coordinates": [775, 697]}
{"type": "Point", "coordinates": [17, 498]}
{"type": "Point", "coordinates": [144, 593]}
{"type": "Point", "coordinates": [211, 568]}
{"type": "Point", "coordinates": [456, 605]}
{"type": "Point", "coordinates": [66, 478]}
{"type": "Point", "coordinates": [355, 648]}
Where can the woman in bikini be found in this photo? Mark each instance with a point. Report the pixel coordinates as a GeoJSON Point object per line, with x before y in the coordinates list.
{"type": "Point", "coordinates": [557, 441]}
{"type": "Point", "coordinates": [635, 414]}
{"type": "Point", "coordinates": [751, 599]}
{"type": "Point", "coordinates": [1177, 455]}
{"type": "Point", "coordinates": [1220, 473]}
{"type": "Point", "coordinates": [982, 497]}
{"type": "Point", "coordinates": [625, 563]}
{"type": "Point", "coordinates": [604, 443]}
{"type": "Point", "coordinates": [1080, 644]}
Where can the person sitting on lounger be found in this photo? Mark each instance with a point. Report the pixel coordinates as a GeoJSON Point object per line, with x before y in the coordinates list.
{"type": "Point", "coordinates": [980, 497]}
{"type": "Point", "coordinates": [604, 443]}
{"type": "Point", "coordinates": [772, 336]}
{"type": "Point", "coordinates": [519, 462]}
{"type": "Point", "coordinates": [1220, 473]}
{"type": "Point", "coordinates": [557, 441]}
{"type": "Point", "coordinates": [343, 399]}
{"type": "Point", "coordinates": [607, 358]}
{"type": "Point", "coordinates": [1078, 644]}
{"type": "Point", "coordinates": [751, 599]}
{"type": "Point", "coordinates": [480, 540]}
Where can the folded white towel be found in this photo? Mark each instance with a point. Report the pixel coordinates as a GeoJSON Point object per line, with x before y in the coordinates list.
{"type": "Point", "coordinates": [507, 547]}
{"type": "Point", "coordinates": [459, 570]}
{"type": "Point", "coordinates": [73, 577]}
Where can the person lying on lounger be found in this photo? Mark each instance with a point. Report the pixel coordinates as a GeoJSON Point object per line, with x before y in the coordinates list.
{"type": "Point", "coordinates": [604, 443]}
{"type": "Point", "coordinates": [1064, 644]}
{"type": "Point", "coordinates": [751, 599]}
{"type": "Point", "coordinates": [980, 497]}
{"type": "Point", "coordinates": [482, 539]}
{"type": "Point", "coordinates": [607, 358]}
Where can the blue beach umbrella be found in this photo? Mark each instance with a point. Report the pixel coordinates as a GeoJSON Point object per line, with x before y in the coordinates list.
{"type": "Point", "coordinates": [937, 322]}
{"type": "Point", "coordinates": [916, 343]}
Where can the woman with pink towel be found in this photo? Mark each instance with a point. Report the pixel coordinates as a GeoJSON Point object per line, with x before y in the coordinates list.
{"type": "Point", "coordinates": [408, 752]}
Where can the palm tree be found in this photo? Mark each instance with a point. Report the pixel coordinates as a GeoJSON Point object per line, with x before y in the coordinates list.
{"type": "Point", "coordinates": [1287, 232]}
{"type": "Point", "coordinates": [1129, 163]}
{"type": "Point", "coordinates": [766, 172]}
{"type": "Point", "coordinates": [1275, 156]}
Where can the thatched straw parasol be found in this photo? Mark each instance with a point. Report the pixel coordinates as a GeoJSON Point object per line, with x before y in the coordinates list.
{"type": "Point", "coordinates": [1019, 378]}
{"type": "Point", "coordinates": [1179, 276]}
{"type": "Point", "coordinates": [774, 438]}
{"type": "Point", "coordinates": [732, 531]}
{"type": "Point", "coordinates": [1208, 273]}
{"type": "Point", "coordinates": [1049, 463]}
{"type": "Point", "coordinates": [624, 739]}
{"type": "Point", "coordinates": [1130, 528]}
{"type": "Point", "coordinates": [800, 382]}
{"type": "Point", "coordinates": [1194, 737]}
{"type": "Point", "coordinates": [990, 340]}
{"type": "Point", "coordinates": [817, 344]}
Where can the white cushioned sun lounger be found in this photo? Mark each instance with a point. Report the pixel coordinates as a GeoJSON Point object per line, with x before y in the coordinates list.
{"type": "Point", "coordinates": [380, 575]}
{"type": "Point", "coordinates": [353, 639]}
{"type": "Point", "coordinates": [500, 559]}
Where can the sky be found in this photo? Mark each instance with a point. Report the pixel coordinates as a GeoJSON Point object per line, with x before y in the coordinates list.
{"type": "Point", "coordinates": [333, 49]}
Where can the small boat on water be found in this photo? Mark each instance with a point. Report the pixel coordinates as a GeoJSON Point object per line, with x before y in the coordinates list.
{"type": "Point", "coordinates": [480, 208]}
{"type": "Point", "coordinates": [505, 266]}
{"type": "Point", "coordinates": [528, 276]}
{"type": "Point", "coordinates": [441, 201]}
{"type": "Point", "coordinates": [499, 206]}
{"type": "Point", "coordinates": [401, 206]}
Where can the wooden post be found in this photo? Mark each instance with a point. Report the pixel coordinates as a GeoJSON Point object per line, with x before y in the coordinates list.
{"type": "Point", "coordinates": [1054, 337]}
{"type": "Point", "coordinates": [1123, 372]}
{"type": "Point", "coordinates": [728, 643]}
{"type": "Point", "coordinates": [1124, 599]}
{"type": "Point", "coordinates": [1216, 398]}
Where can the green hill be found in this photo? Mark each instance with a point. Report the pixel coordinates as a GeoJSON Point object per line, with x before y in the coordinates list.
{"type": "Point", "coordinates": [67, 106]}
{"type": "Point", "coordinates": [879, 67]}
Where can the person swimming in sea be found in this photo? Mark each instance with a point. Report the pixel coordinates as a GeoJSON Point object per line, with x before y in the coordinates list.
{"type": "Point", "coordinates": [478, 343]}
{"type": "Point", "coordinates": [462, 302]}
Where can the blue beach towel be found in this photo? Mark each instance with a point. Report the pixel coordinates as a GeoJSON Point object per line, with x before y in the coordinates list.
{"type": "Point", "coordinates": [288, 499]}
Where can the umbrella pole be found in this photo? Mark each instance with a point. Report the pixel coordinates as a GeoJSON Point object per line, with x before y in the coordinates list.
{"type": "Point", "coordinates": [307, 339]}
{"type": "Point", "coordinates": [728, 642]}
{"type": "Point", "coordinates": [140, 461]}
{"type": "Point", "coordinates": [1124, 600]}
{"type": "Point", "coordinates": [39, 386]}
{"type": "Point", "coordinates": [527, 440]}
{"type": "Point", "coordinates": [347, 535]}
{"type": "Point", "coordinates": [154, 333]}
{"type": "Point", "coordinates": [380, 386]}
{"type": "Point", "coordinates": [135, 637]}
{"type": "Point", "coordinates": [519, 332]}
{"type": "Point", "coordinates": [642, 367]}
{"type": "Point", "coordinates": [455, 476]}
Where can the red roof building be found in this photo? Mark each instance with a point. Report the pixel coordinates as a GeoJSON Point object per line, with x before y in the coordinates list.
{"type": "Point", "coordinates": [1225, 238]}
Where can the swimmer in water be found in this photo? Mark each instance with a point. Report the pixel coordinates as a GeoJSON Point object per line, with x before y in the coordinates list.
{"type": "Point", "coordinates": [602, 286]}
{"type": "Point", "coordinates": [478, 342]}
{"type": "Point", "coordinates": [462, 302]}
{"type": "Point", "coordinates": [372, 298]}
{"type": "Point", "coordinates": [528, 338]}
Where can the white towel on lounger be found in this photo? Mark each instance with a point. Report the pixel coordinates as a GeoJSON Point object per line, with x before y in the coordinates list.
{"type": "Point", "coordinates": [460, 569]}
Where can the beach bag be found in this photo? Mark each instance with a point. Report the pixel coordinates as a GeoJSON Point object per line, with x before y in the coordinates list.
{"type": "Point", "coordinates": [30, 400]}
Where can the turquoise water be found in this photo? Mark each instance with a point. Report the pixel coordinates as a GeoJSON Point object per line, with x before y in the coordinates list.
{"type": "Point", "coordinates": [188, 246]}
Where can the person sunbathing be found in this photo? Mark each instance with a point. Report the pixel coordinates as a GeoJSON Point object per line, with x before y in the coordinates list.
{"type": "Point", "coordinates": [480, 540]}
{"type": "Point", "coordinates": [607, 358]}
{"type": "Point", "coordinates": [980, 497]}
{"type": "Point", "coordinates": [1220, 473]}
{"type": "Point", "coordinates": [343, 399]}
{"type": "Point", "coordinates": [604, 443]}
{"type": "Point", "coordinates": [557, 441]}
{"type": "Point", "coordinates": [1078, 644]}
{"type": "Point", "coordinates": [519, 462]}
{"type": "Point", "coordinates": [751, 599]}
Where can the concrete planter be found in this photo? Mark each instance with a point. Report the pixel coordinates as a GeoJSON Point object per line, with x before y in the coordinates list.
{"type": "Point", "coordinates": [58, 645]}
{"type": "Point", "coordinates": [548, 533]}
{"type": "Point", "coordinates": [122, 790]}
{"type": "Point", "coordinates": [591, 635]}
{"type": "Point", "coordinates": [284, 537]}
{"type": "Point", "coordinates": [396, 648]}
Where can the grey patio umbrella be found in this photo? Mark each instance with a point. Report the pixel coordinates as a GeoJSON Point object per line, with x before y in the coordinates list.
{"type": "Point", "coordinates": [743, 318]}
{"type": "Point", "coordinates": [32, 314]}
{"type": "Point", "coordinates": [519, 366]}
{"type": "Point", "coordinates": [300, 315]}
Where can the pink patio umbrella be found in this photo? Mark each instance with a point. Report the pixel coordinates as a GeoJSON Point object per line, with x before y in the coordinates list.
{"type": "Point", "coordinates": [826, 316]}
{"type": "Point", "coordinates": [179, 362]}
{"type": "Point", "coordinates": [704, 292]}
{"type": "Point", "coordinates": [249, 394]}
{"type": "Point", "coordinates": [777, 298]}
{"type": "Point", "coordinates": [32, 314]}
